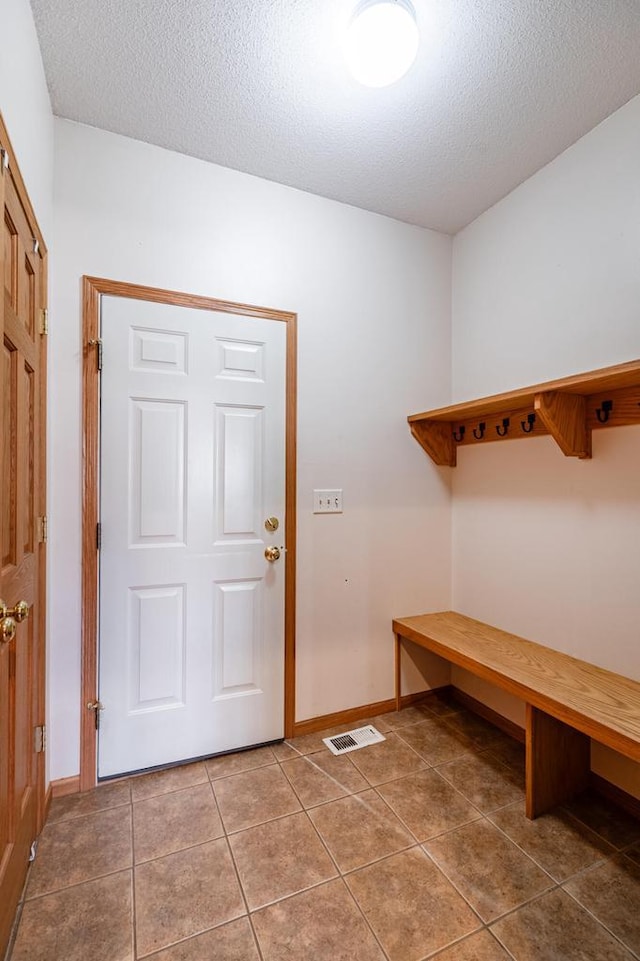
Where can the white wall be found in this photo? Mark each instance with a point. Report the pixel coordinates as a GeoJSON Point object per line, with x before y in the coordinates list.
{"type": "Point", "coordinates": [25, 107]}
{"type": "Point", "coordinates": [547, 283]}
{"type": "Point", "coordinates": [373, 299]}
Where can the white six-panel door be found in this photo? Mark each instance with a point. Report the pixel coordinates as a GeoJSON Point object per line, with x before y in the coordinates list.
{"type": "Point", "coordinates": [192, 464]}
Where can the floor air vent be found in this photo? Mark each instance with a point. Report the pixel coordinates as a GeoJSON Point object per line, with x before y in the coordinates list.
{"type": "Point", "coordinates": [353, 740]}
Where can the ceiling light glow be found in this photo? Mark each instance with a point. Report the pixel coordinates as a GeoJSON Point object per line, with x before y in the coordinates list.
{"type": "Point", "coordinates": [381, 41]}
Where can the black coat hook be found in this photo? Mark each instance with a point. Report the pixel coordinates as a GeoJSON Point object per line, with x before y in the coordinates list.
{"type": "Point", "coordinates": [478, 432]}
{"type": "Point", "coordinates": [602, 413]}
{"type": "Point", "coordinates": [504, 430]}
{"type": "Point", "coordinates": [531, 419]}
{"type": "Point", "coordinates": [458, 437]}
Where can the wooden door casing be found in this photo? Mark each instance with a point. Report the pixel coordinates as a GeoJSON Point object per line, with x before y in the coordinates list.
{"type": "Point", "coordinates": [22, 553]}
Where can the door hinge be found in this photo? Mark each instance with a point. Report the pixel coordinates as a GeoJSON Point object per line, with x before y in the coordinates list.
{"type": "Point", "coordinates": [43, 529]}
{"type": "Point", "coordinates": [40, 739]}
{"type": "Point", "coordinates": [97, 342]}
{"type": "Point", "coordinates": [4, 159]}
{"type": "Point", "coordinates": [44, 321]}
{"type": "Point", "coordinates": [98, 536]}
{"type": "Point", "coordinates": [96, 707]}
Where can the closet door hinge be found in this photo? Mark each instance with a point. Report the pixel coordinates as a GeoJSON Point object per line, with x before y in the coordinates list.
{"type": "Point", "coordinates": [98, 536]}
{"type": "Point", "coordinates": [97, 342]}
{"type": "Point", "coordinates": [4, 159]}
{"type": "Point", "coordinates": [96, 707]}
{"type": "Point", "coordinates": [40, 739]}
{"type": "Point", "coordinates": [43, 529]}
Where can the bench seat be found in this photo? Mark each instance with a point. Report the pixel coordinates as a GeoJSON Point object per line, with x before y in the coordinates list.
{"type": "Point", "coordinates": [568, 700]}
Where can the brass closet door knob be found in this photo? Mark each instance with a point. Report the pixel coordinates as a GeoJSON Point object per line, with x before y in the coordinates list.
{"type": "Point", "coordinates": [20, 611]}
{"type": "Point", "coordinates": [272, 554]}
{"type": "Point", "coordinates": [10, 617]}
{"type": "Point", "coordinates": [8, 629]}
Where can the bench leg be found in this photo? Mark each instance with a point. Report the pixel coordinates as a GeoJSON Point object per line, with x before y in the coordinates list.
{"type": "Point", "coordinates": [398, 679]}
{"type": "Point", "coordinates": [558, 762]}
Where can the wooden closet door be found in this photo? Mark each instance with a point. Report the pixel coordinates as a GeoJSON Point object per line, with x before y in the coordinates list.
{"type": "Point", "coordinates": [22, 554]}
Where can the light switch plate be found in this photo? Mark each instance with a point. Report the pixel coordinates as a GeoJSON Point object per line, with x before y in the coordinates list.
{"type": "Point", "coordinates": [327, 502]}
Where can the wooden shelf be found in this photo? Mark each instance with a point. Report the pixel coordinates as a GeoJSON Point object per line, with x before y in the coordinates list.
{"type": "Point", "coordinates": [567, 409]}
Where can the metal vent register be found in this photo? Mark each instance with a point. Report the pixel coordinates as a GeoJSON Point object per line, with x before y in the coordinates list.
{"type": "Point", "coordinates": [353, 740]}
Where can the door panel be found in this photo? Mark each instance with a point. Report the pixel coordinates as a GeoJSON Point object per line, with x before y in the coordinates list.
{"type": "Point", "coordinates": [240, 473]}
{"type": "Point", "coordinates": [157, 647]}
{"type": "Point", "coordinates": [238, 637]}
{"type": "Point", "coordinates": [157, 458]}
{"type": "Point", "coordinates": [192, 463]}
{"type": "Point", "coordinates": [22, 375]}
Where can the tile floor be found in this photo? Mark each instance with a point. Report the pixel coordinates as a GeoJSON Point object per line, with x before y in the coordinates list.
{"type": "Point", "coordinates": [410, 849]}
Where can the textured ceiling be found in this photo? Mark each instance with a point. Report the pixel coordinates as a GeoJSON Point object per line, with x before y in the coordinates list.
{"type": "Point", "coordinates": [499, 88]}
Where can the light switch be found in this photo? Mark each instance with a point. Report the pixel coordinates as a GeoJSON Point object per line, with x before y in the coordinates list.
{"type": "Point", "coordinates": [327, 502]}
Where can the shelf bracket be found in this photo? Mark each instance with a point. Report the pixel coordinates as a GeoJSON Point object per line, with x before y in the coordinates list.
{"type": "Point", "coordinates": [436, 438]}
{"type": "Point", "coordinates": [565, 417]}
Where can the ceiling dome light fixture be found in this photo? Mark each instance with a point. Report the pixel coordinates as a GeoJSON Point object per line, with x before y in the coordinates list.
{"type": "Point", "coordinates": [382, 41]}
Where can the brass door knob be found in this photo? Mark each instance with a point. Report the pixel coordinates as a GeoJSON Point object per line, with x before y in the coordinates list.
{"type": "Point", "coordinates": [8, 629]}
{"type": "Point", "coordinates": [10, 617]}
{"type": "Point", "coordinates": [272, 554]}
{"type": "Point", "coordinates": [20, 612]}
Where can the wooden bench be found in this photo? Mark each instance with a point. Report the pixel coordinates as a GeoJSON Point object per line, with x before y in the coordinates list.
{"type": "Point", "coordinates": [568, 701]}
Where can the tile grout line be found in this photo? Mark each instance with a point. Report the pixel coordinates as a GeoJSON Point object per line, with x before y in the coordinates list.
{"type": "Point", "coordinates": [559, 881]}
{"type": "Point", "coordinates": [251, 912]}
{"type": "Point", "coordinates": [255, 938]}
{"type": "Point", "coordinates": [180, 851]}
{"type": "Point", "coordinates": [432, 837]}
{"type": "Point", "coordinates": [331, 778]}
{"type": "Point", "coordinates": [237, 873]}
{"type": "Point", "coordinates": [397, 817]}
{"type": "Point", "coordinates": [530, 857]}
{"type": "Point", "coordinates": [134, 931]}
{"type": "Point", "coordinates": [311, 822]}
{"type": "Point", "coordinates": [247, 770]}
{"type": "Point", "coordinates": [364, 918]}
{"type": "Point", "coordinates": [502, 944]}
{"type": "Point", "coordinates": [601, 924]}
{"type": "Point", "coordinates": [84, 814]}
{"type": "Point", "coordinates": [240, 887]}
{"type": "Point", "coordinates": [453, 944]}
{"type": "Point", "coordinates": [173, 790]}
{"type": "Point", "coordinates": [455, 886]}
{"type": "Point", "coordinates": [340, 876]}
{"type": "Point", "coordinates": [77, 884]}
{"type": "Point", "coordinates": [618, 850]}
{"type": "Point", "coordinates": [475, 755]}
{"type": "Point", "coordinates": [358, 867]}
{"type": "Point", "coordinates": [592, 830]}
{"type": "Point", "coordinates": [478, 752]}
{"type": "Point", "coordinates": [538, 897]}
{"type": "Point", "coordinates": [556, 885]}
